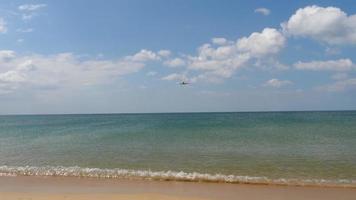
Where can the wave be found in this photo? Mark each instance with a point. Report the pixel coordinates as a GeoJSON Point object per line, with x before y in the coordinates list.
{"type": "Point", "coordinates": [117, 173]}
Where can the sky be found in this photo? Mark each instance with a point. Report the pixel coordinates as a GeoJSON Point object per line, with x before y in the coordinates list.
{"type": "Point", "coordinates": [129, 56]}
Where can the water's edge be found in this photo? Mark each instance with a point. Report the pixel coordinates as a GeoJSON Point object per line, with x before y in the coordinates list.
{"type": "Point", "coordinates": [117, 173]}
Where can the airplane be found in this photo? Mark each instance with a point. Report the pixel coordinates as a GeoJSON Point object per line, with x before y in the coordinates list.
{"type": "Point", "coordinates": [184, 83]}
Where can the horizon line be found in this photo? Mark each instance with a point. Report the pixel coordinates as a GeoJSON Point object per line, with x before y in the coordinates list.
{"type": "Point", "coordinates": [178, 112]}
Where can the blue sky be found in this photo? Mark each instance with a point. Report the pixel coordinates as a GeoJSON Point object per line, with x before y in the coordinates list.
{"type": "Point", "coordinates": [129, 56]}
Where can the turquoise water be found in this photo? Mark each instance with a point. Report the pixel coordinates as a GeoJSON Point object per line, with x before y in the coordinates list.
{"type": "Point", "coordinates": [266, 147]}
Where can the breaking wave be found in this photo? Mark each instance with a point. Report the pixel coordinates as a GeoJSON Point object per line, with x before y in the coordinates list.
{"type": "Point", "coordinates": [117, 173]}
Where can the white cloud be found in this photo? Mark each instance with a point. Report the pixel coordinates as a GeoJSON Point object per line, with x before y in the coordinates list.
{"type": "Point", "coordinates": [176, 62]}
{"type": "Point", "coordinates": [10, 80]}
{"type": "Point", "coordinates": [62, 70]}
{"type": "Point", "coordinates": [221, 58]}
{"type": "Point", "coordinates": [269, 41]}
{"type": "Point", "coordinates": [263, 11]}
{"type": "Point", "coordinates": [164, 53]}
{"type": "Point", "coordinates": [215, 63]}
{"type": "Point", "coordinates": [3, 27]}
{"type": "Point", "coordinates": [31, 7]}
{"type": "Point", "coordinates": [329, 65]}
{"type": "Point", "coordinates": [12, 76]}
{"type": "Point", "coordinates": [143, 56]}
{"type": "Point", "coordinates": [326, 24]}
{"type": "Point", "coordinates": [277, 83]}
{"type": "Point", "coordinates": [6, 54]}
{"type": "Point", "coordinates": [30, 10]}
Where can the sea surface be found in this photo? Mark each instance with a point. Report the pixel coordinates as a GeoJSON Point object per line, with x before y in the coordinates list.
{"type": "Point", "coordinates": [293, 148]}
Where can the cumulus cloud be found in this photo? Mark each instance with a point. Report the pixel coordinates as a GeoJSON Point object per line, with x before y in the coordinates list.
{"type": "Point", "coordinates": [3, 27]}
{"type": "Point", "coordinates": [263, 11]}
{"type": "Point", "coordinates": [64, 69]}
{"type": "Point", "coordinates": [217, 62]}
{"type": "Point", "coordinates": [277, 83]}
{"type": "Point", "coordinates": [220, 59]}
{"type": "Point", "coordinates": [327, 24]}
{"type": "Point", "coordinates": [269, 41]}
{"type": "Point", "coordinates": [329, 65]}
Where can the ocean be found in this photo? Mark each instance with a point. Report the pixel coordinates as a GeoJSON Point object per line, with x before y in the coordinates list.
{"type": "Point", "coordinates": [288, 148]}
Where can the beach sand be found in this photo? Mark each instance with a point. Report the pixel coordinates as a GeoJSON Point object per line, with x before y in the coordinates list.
{"type": "Point", "coordinates": [65, 188]}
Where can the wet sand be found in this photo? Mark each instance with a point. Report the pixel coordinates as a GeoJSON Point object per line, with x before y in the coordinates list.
{"type": "Point", "coordinates": [66, 188]}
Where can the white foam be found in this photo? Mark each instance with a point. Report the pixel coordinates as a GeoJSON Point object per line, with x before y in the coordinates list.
{"type": "Point", "coordinates": [161, 175]}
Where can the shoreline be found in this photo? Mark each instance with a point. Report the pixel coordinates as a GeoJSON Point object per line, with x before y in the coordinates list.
{"type": "Point", "coordinates": [166, 176]}
{"type": "Point", "coordinates": [168, 180]}
{"type": "Point", "coordinates": [58, 188]}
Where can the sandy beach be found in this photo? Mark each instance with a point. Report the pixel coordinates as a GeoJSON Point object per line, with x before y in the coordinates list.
{"type": "Point", "coordinates": [177, 100]}
{"type": "Point", "coordinates": [60, 188]}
